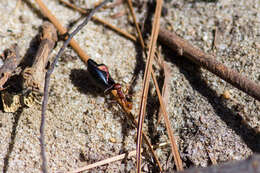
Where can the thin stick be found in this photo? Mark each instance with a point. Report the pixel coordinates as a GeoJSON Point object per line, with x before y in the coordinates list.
{"type": "Point", "coordinates": [175, 151]}
{"type": "Point", "coordinates": [62, 30]}
{"type": "Point", "coordinates": [147, 76]}
{"type": "Point", "coordinates": [165, 88]}
{"type": "Point", "coordinates": [120, 31]}
{"type": "Point", "coordinates": [112, 159]}
{"type": "Point", "coordinates": [136, 24]}
{"type": "Point", "coordinates": [47, 80]}
{"type": "Point", "coordinates": [174, 146]}
{"type": "Point", "coordinates": [209, 62]}
{"type": "Point", "coordinates": [104, 162]}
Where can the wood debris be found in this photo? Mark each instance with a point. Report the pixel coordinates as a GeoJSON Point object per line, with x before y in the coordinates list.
{"type": "Point", "coordinates": [210, 63]}
{"type": "Point", "coordinates": [34, 76]}
{"type": "Point", "coordinates": [11, 60]}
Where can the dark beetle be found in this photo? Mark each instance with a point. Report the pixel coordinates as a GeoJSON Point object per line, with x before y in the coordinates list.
{"type": "Point", "coordinates": [100, 75]}
{"type": "Point", "coordinates": [102, 79]}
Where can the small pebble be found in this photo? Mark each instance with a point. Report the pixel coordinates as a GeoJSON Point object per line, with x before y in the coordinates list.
{"type": "Point", "coordinates": [169, 27]}
{"type": "Point", "coordinates": [226, 95]}
{"type": "Point", "coordinates": [205, 37]}
{"type": "Point", "coordinates": [113, 140]}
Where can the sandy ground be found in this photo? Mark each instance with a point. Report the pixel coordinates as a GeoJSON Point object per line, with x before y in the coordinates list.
{"type": "Point", "coordinates": [83, 127]}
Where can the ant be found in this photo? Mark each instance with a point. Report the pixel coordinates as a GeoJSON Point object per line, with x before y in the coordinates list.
{"type": "Point", "coordinates": [121, 95]}
{"type": "Point", "coordinates": [100, 75]}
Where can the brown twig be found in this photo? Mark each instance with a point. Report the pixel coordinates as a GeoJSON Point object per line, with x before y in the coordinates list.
{"type": "Point", "coordinates": [12, 60]}
{"type": "Point", "coordinates": [174, 147]}
{"type": "Point", "coordinates": [165, 88]}
{"type": "Point", "coordinates": [175, 152]}
{"type": "Point", "coordinates": [62, 30]}
{"type": "Point", "coordinates": [110, 160]}
{"type": "Point", "coordinates": [104, 162]}
{"type": "Point", "coordinates": [34, 76]}
{"type": "Point", "coordinates": [182, 47]}
{"type": "Point", "coordinates": [136, 24]}
{"type": "Point", "coordinates": [147, 76]}
{"type": "Point", "coordinates": [120, 31]}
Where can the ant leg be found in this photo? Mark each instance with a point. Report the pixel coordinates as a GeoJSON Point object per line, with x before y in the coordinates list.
{"type": "Point", "coordinates": [109, 89]}
{"type": "Point", "coordinates": [129, 87]}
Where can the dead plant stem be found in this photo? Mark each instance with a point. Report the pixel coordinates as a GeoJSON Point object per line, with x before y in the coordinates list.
{"type": "Point", "coordinates": [147, 76]}
{"type": "Point", "coordinates": [174, 146]}
{"type": "Point", "coordinates": [175, 151]}
{"type": "Point", "coordinates": [184, 48]}
{"type": "Point", "coordinates": [136, 24]}
{"type": "Point", "coordinates": [120, 31]}
{"type": "Point", "coordinates": [46, 12]}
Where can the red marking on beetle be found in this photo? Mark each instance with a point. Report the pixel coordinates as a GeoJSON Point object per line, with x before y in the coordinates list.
{"type": "Point", "coordinates": [105, 69]}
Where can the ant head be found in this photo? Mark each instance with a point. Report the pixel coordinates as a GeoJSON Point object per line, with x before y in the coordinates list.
{"type": "Point", "coordinates": [117, 86]}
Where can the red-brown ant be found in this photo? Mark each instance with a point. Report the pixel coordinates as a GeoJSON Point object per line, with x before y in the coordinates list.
{"type": "Point", "coordinates": [122, 96]}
